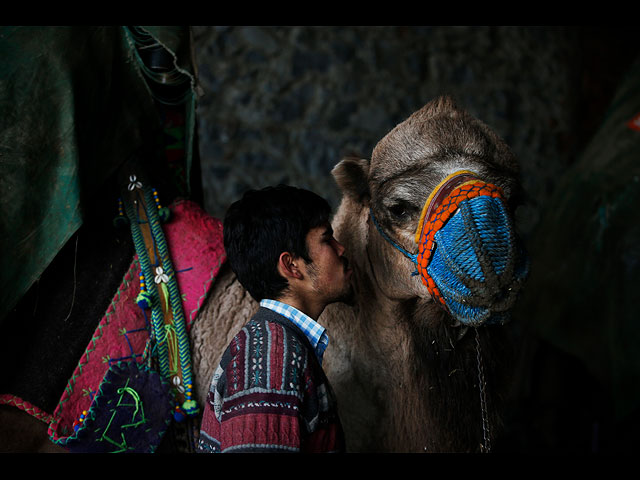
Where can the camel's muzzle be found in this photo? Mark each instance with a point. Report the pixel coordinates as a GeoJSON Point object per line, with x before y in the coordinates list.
{"type": "Point", "coordinates": [469, 257]}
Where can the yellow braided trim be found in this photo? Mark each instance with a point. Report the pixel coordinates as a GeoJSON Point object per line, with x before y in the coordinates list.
{"type": "Point", "coordinates": [433, 194]}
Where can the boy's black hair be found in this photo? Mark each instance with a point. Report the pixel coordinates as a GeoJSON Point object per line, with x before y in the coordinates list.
{"type": "Point", "coordinates": [263, 224]}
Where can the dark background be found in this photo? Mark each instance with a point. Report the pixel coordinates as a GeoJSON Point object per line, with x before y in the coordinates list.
{"type": "Point", "coordinates": [284, 104]}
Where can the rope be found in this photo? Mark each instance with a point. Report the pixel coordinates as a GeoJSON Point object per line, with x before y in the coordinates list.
{"type": "Point", "coordinates": [410, 256]}
{"type": "Point", "coordinates": [485, 446]}
{"type": "Point", "coordinates": [145, 267]}
{"type": "Point", "coordinates": [73, 295]}
{"type": "Point", "coordinates": [174, 294]}
{"type": "Point", "coordinates": [168, 322]}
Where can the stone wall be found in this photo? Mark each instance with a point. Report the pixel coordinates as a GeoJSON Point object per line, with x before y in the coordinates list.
{"type": "Point", "coordinates": [284, 104]}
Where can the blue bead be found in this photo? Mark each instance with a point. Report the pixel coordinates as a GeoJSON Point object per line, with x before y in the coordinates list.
{"type": "Point", "coordinates": [178, 416]}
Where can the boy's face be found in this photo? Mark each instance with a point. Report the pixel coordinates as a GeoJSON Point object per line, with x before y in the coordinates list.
{"type": "Point", "coordinates": [329, 271]}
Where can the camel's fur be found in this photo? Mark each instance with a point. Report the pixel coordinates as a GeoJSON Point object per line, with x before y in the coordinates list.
{"type": "Point", "coordinates": [403, 379]}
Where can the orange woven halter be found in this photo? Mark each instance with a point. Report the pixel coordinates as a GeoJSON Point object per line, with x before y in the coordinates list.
{"type": "Point", "coordinates": [441, 204]}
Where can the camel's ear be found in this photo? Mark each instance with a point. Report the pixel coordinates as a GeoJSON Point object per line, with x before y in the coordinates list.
{"type": "Point", "coordinates": [352, 176]}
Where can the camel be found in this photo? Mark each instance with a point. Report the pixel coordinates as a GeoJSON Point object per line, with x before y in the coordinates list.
{"type": "Point", "coordinates": [408, 377]}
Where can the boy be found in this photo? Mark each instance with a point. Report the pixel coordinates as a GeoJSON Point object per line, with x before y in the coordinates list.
{"type": "Point", "coordinates": [269, 393]}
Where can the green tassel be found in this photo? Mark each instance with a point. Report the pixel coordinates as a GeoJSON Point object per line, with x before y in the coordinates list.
{"type": "Point", "coordinates": [121, 221]}
{"type": "Point", "coordinates": [144, 299]}
{"type": "Point", "coordinates": [190, 407]}
{"type": "Point", "coordinates": [164, 213]}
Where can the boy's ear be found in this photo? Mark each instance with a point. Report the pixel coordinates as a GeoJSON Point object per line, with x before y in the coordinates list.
{"type": "Point", "coordinates": [288, 266]}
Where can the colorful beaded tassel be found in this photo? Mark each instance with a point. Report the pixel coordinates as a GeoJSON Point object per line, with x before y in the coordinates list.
{"type": "Point", "coordinates": [121, 220]}
{"type": "Point", "coordinates": [144, 297]}
{"type": "Point", "coordinates": [163, 212]}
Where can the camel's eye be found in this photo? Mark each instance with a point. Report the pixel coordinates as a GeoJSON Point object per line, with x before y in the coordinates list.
{"type": "Point", "coordinates": [401, 210]}
{"type": "Point", "coordinates": [398, 211]}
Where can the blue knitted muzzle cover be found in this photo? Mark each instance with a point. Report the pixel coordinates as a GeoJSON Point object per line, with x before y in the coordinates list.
{"type": "Point", "coordinates": [468, 255]}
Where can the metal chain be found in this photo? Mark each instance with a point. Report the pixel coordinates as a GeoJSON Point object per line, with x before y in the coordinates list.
{"type": "Point", "coordinates": [485, 447]}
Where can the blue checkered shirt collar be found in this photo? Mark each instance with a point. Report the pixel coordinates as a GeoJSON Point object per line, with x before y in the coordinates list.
{"type": "Point", "coordinates": [315, 332]}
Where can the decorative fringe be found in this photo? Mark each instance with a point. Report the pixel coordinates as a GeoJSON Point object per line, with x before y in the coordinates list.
{"type": "Point", "coordinates": [144, 300]}
{"type": "Point", "coordinates": [165, 214]}
{"type": "Point", "coordinates": [190, 407]}
{"type": "Point", "coordinates": [178, 415]}
{"type": "Point", "coordinates": [121, 221]}
{"type": "Point", "coordinates": [78, 423]}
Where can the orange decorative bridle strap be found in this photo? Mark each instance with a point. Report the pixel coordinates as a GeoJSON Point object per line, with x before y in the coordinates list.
{"type": "Point", "coordinates": [441, 204]}
{"type": "Point", "coordinates": [442, 190]}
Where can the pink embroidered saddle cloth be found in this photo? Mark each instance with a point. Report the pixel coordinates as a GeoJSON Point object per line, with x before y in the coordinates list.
{"type": "Point", "coordinates": [196, 247]}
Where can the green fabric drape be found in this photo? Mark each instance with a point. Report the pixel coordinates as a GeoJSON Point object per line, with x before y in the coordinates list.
{"type": "Point", "coordinates": [75, 102]}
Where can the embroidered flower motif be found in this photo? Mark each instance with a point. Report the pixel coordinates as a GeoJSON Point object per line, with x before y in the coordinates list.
{"type": "Point", "coordinates": [161, 277]}
{"type": "Point", "coordinates": [134, 183]}
{"type": "Point", "coordinates": [296, 360]}
{"type": "Point", "coordinates": [256, 364]}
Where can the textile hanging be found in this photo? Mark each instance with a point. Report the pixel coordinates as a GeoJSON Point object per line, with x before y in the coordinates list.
{"type": "Point", "coordinates": [76, 102]}
{"type": "Point", "coordinates": [581, 296]}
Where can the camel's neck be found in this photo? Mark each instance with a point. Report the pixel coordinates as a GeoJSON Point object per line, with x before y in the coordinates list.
{"type": "Point", "coordinates": [405, 349]}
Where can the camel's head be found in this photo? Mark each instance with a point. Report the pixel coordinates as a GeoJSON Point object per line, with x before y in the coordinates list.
{"type": "Point", "coordinates": [437, 198]}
